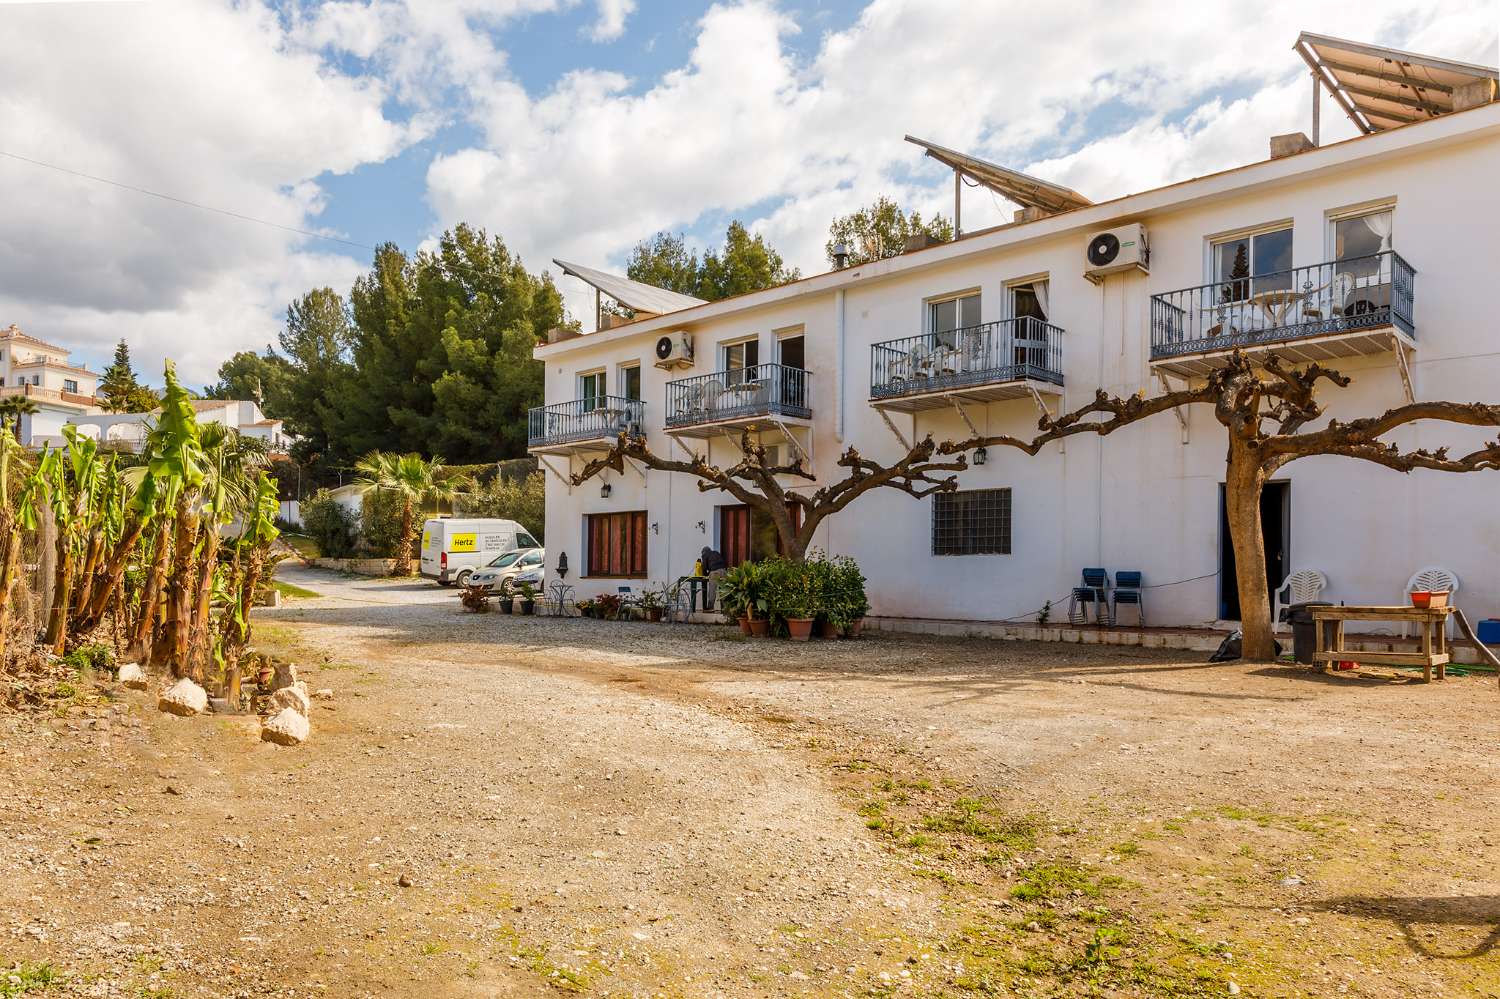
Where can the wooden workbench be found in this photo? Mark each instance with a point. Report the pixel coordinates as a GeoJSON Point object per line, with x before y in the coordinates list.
{"type": "Point", "coordinates": [1432, 628]}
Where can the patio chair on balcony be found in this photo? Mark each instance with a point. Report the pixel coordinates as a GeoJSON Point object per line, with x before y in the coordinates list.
{"type": "Point", "coordinates": [1095, 592]}
{"type": "Point", "coordinates": [1128, 590]}
{"type": "Point", "coordinates": [713, 397]}
{"type": "Point", "coordinates": [921, 361]}
{"type": "Point", "coordinates": [1232, 319]}
{"type": "Point", "coordinates": [1327, 302]}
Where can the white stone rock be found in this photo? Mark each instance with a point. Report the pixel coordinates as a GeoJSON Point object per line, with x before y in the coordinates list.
{"type": "Point", "coordinates": [132, 676]}
{"type": "Point", "coordinates": [284, 675]}
{"type": "Point", "coordinates": [294, 697]}
{"type": "Point", "coordinates": [287, 728]}
{"type": "Point", "coordinates": [323, 693]}
{"type": "Point", "coordinates": [184, 698]}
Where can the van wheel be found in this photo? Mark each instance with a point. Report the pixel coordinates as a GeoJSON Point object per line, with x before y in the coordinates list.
{"type": "Point", "coordinates": [463, 578]}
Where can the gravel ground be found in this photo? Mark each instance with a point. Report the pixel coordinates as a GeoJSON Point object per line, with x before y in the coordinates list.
{"type": "Point", "coordinates": [496, 806]}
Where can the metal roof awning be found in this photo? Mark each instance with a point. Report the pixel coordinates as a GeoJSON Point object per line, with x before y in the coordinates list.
{"type": "Point", "coordinates": [1023, 189]}
{"type": "Point", "coordinates": [1381, 88]}
{"type": "Point", "coordinates": [634, 295]}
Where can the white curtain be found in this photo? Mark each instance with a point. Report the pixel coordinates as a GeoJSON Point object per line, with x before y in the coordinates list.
{"type": "Point", "coordinates": [1380, 225]}
{"type": "Point", "coordinates": [1040, 289]}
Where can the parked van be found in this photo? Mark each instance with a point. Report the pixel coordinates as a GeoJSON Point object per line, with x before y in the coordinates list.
{"type": "Point", "coordinates": [452, 547]}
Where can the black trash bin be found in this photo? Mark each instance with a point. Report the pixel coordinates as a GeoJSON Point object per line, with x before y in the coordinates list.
{"type": "Point", "coordinates": [1304, 630]}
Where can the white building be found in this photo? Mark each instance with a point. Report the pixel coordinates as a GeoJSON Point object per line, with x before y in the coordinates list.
{"type": "Point", "coordinates": [243, 415]}
{"type": "Point", "coordinates": [40, 371]}
{"type": "Point", "coordinates": [1371, 254]}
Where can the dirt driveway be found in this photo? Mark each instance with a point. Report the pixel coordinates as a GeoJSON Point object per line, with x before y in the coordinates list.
{"type": "Point", "coordinates": [497, 806]}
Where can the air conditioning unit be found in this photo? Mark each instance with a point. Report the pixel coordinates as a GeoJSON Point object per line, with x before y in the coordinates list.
{"type": "Point", "coordinates": [1115, 250]}
{"type": "Point", "coordinates": [674, 350]}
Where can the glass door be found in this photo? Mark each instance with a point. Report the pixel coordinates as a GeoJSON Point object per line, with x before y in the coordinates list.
{"type": "Point", "coordinates": [1248, 265]}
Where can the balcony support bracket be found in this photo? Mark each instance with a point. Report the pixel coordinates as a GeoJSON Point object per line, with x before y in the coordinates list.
{"type": "Point", "coordinates": [1182, 420]}
{"type": "Point", "coordinates": [566, 480]}
{"type": "Point", "coordinates": [965, 414]}
{"type": "Point", "coordinates": [639, 468]}
{"type": "Point", "coordinates": [1403, 364]}
{"type": "Point", "coordinates": [900, 437]}
{"type": "Point", "coordinates": [1036, 397]}
{"type": "Point", "coordinates": [796, 444]}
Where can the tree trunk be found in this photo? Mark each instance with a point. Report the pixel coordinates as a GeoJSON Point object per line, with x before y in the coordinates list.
{"type": "Point", "coordinates": [403, 553]}
{"type": "Point", "coordinates": [202, 605]}
{"type": "Point", "coordinates": [10, 559]}
{"type": "Point", "coordinates": [140, 643]}
{"type": "Point", "coordinates": [1243, 484]}
{"type": "Point", "coordinates": [180, 589]}
{"type": "Point", "coordinates": [92, 607]}
{"type": "Point", "coordinates": [62, 591]}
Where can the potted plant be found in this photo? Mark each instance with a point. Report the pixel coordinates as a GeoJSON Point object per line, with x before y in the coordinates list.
{"type": "Point", "coordinates": [607, 606]}
{"type": "Point", "coordinates": [528, 599]}
{"type": "Point", "coordinates": [652, 604]}
{"type": "Point", "coordinates": [788, 595]}
{"type": "Point", "coordinates": [852, 603]}
{"type": "Point", "coordinates": [506, 603]}
{"type": "Point", "coordinates": [585, 608]}
{"type": "Point", "coordinates": [476, 599]}
{"type": "Point", "coordinates": [823, 587]}
{"type": "Point", "coordinates": [742, 594]}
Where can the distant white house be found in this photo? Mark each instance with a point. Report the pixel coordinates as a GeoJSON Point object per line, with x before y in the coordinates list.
{"type": "Point", "coordinates": [243, 415]}
{"type": "Point", "coordinates": [40, 371]}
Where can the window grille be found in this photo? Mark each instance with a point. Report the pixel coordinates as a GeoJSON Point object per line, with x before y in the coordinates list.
{"type": "Point", "coordinates": [971, 522]}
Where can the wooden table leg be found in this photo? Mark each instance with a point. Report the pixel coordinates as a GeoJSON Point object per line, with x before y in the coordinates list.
{"type": "Point", "coordinates": [1427, 651]}
{"type": "Point", "coordinates": [1319, 646]}
{"type": "Point", "coordinates": [1441, 625]}
{"type": "Point", "coordinates": [1338, 645]}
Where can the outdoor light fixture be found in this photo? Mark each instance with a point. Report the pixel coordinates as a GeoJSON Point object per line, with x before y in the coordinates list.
{"type": "Point", "coordinates": [604, 490]}
{"type": "Point", "coordinates": [562, 565]}
{"type": "Point", "coordinates": [980, 454]}
{"type": "Point", "coordinates": [655, 527]}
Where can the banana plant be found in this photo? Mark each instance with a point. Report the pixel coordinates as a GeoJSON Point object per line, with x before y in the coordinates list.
{"type": "Point", "coordinates": [70, 475]}
{"type": "Point", "coordinates": [12, 521]}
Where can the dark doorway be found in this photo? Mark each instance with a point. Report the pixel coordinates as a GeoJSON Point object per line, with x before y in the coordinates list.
{"type": "Point", "coordinates": [747, 536]}
{"type": "Point", "coordinates": [1276, 526]}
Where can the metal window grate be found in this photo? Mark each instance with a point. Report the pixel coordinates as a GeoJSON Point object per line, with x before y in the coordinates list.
{"type": "Point", "coordinates": [971, 522]}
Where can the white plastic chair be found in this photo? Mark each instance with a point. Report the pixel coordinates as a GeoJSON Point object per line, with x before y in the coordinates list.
{"type": "Point", "coordinates": [1300, 587]}
{"type": "Point", "coordinates": [1433, 578]}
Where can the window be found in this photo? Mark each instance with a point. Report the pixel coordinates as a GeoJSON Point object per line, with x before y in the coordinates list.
{"type": "Point", "coordinates": [1250, 264]}
{"type": "Point", "coordinates": [1358, 239]}
{"type": "Point", "coordinates": [737, 358]}
{"type": "Point", "coordinates": [591, 390]}
{"type": "Point", "coordinates": [949, 314]}
{"type": "Point", "coordinates": [533, 558]}
{"type": "Point", "coordinates": [524, 540]}
{"type": "Point", "coordinates": [616, 543]}
{"type": "Point", "coordinates": [971, 522]}
{"type": "Point", "coordinates": [70, 385]}
{"type": "Point", "coordinates": [630, 382]}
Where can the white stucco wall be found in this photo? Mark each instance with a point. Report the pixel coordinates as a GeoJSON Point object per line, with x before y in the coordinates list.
{"type": "Point", "coordinates": [1141, 499]}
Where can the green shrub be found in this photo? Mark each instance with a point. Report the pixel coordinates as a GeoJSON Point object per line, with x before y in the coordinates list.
{"type": "Point", "coordinates": [788, 589]}
{"type": "Point", "coordinates": [331, 525]}
{"type": "Point", "coordinates": [380, 523]}
{"type": "Point", "coordinates": [523, 500]}
{"type": "Point", "coordinates": [94, 657]}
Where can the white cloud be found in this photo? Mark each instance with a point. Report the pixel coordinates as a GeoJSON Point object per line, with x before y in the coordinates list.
{"type": "Point", "coordinates": [206, 103]}
{"type": "Point", "coordinates": [611, 22]}
{"type": "Point", "coordinates": [1106, 97]}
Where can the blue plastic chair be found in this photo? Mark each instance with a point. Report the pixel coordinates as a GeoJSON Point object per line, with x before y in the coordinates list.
{"type": "Point", "coordinates": [1095, 590]}
{"type": "Point", "coordinates": [1128, 591]}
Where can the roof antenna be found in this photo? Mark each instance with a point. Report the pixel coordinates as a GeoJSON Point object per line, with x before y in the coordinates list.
{"type": "Point", "coordinates": [840, 256]}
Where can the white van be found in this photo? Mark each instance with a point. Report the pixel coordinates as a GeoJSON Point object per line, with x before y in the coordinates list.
{"type": "Point", "coordinates": [452, 547]}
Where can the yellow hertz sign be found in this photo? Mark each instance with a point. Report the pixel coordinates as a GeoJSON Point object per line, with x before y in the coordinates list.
{"type": "Point", "coordinates": [426, 539]}
{"type": "Point", "coordinates": [464, 543]}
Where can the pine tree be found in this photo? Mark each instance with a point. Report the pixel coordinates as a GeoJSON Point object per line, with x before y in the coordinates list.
{"type": "Point", "coordinates": [121, 390]}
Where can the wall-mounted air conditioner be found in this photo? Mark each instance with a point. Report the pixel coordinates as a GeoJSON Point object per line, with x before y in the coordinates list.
{"type": "Point", "coordinates": [674, 350]}
{"type": "Point", "coordinates": [1114, 250]}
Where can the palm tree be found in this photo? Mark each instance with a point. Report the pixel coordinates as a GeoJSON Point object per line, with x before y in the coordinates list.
{"type": "Point", "coordinates": [13, 407]}
{"type": "Point", "coordinates": [411, 478]}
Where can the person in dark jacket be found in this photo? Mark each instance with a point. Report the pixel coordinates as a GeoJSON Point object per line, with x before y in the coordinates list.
{"type": "Point", "coordinates": [713, 567]}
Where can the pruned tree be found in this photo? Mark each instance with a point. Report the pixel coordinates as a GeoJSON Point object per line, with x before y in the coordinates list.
{"type": "Point", "coordinates": [757, 484]}
{"type": "Point", "coordinates": [1266, 410]}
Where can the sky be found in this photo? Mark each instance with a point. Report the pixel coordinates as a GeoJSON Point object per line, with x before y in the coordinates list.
{"type": "Point", "coordinates": [576, 128]}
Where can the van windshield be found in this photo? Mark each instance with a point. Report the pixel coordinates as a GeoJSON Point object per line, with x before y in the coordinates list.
{"type": "Point", "coordinates": [501, 561]}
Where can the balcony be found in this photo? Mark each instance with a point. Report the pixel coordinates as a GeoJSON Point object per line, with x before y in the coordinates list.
{"type": "Point", "coordinates": [1345, 308]}
{"type": "Point", "coordinates": [1010, 359]}
{"type": "Point", "coordinates": [750, 398]}
{"type": "Point", "coordinates": [582, 425]}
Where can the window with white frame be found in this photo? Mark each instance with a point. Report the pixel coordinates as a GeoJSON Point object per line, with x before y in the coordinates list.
{"type": "Point", "coordinates": [1252, 263]}
{"type": "Point", "coordinates": [70, 385]}
{"type": "Point", "coordinates": [738, 357]}
{"type": "Point", "coordinates": [630, 381]}
{"type": "Point", "coordinates": [971, 522]}
{"type": "Point", "coordinates": [1359, 240]}
{"type": "Point", "coordinates": [956, 312]}
{"type": "Point", "coordinates": [591, 390]}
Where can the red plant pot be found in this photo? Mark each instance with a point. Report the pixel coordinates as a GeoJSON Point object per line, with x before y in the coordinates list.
{"type": "Point", "coordinates": [744, 626]}
{"type": "Point", "coordinates": [760, 627]}
{"type": "Point", "coordinates": [799, 628]}
{"type": "Point", "coordinates": [827, 629]}
{"type": "Point", "coordinates": [855, 627]}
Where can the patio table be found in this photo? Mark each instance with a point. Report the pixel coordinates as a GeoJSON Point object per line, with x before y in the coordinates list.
{"type": "Point", "coordinates": [1431, 625]}
{"type": "Point", "coordinates": [1277, 303]}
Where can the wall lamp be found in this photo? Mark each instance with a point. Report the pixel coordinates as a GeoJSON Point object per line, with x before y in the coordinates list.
{"type": "Point", "coordinates": [980, 455]}
{"type": "Point", "coordinates": [655, 527]}
{"type": "Point", "coordinates": [605, 490]}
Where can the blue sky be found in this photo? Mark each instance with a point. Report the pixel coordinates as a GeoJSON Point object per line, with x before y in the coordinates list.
{"type": "Point", "coordinates": [576, 128]}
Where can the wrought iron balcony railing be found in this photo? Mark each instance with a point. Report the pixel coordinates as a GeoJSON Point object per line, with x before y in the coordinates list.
{"type": "Point", "coordinates": [1342, 296]}
{"type": "Point", "coordinates": [741, 393]}
{"type": "Point", "coordinates": [987, 354]}
{"type": "Point", "coordinates": [599, 418]}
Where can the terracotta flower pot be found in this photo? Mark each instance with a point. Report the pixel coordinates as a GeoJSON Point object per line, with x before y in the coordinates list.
{"type": "Point", "coordinates": [653, 613]}
{"type": "Point", "coordinates": [505, 604]}
{"type": "Point", "coordinates": [799, 628]}
{"type": "Point", "coordinates": [855, 627]}
{"type": "Point", "coordinates": [827, 629]}
{"type": "Point", "coordinates": [760, 627]}
{"type": "Point", "coordinates": [744, 625]}
{"type": "Point", "coordinates": [528, 606]}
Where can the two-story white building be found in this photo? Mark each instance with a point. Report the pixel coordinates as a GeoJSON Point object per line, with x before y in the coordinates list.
{"type": "Point", "coordinates": [1371, 255]}
{"type": "Point", "coordinates": [243, 415]}
{"type": "Point", "coordinates": [41, 371]}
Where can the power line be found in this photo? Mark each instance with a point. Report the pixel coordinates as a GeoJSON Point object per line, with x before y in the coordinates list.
{"type": "Point", "coordinates": [184, 201]}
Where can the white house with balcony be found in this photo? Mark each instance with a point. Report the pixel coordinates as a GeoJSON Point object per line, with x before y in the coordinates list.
{"type": "Point", "coordinates": [42, 372]}
{"type": "Point", "coordinates": [1371, 255]}
{"type": "Point", "coordinates": [243, 415]}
